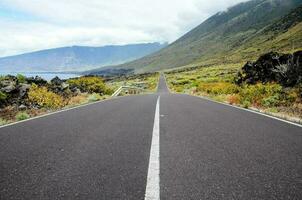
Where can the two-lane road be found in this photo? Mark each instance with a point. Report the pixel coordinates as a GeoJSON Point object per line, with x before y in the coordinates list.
{"type": "Point", "coordinates": [205, 150]}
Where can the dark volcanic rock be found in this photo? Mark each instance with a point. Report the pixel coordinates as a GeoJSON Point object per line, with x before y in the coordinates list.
{"type": "Point", "coordinates": [60, 87]}
{"type": "Point", "coordinates": [285, 69]}
{"type": "Point", "coordinates": [16, 92]}
{"type": "Point", "coordinates": [8, 86]}
{"type": "Point", "coordinates": [56, 81]}
{"type": "Point", "coordinates": [36, 80]}
{"type": "Point", "coordinates": [23, 89]}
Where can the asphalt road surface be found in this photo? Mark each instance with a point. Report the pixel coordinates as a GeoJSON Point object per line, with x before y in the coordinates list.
{"type": "Point", "coordinates": [199, 150]}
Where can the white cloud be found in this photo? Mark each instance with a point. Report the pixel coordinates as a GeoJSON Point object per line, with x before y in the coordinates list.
{"type": "Point", "coordinates": [100, 22]}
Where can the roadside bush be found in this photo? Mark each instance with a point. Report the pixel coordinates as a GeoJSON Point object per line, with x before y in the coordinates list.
{"type": "Point", "coordinates": [266, 95]}
{"type": "Point", "coordinates": [181, 82]}
{"type": "Point", "coordinates": [108, 91]}
{"type": "Point", "coordinates": [44, 98]}
{"type": "Point", "coordinates": [3, 96]}
{"type": "Point", "coordinates": [76, 100]}
{"type": "Point", "coordinates": [22, 116]}
{"type": "Point", "coordinates": [3, 121]}
{"type": "Point", "coordinates": [94, 97]}
{"type": "Point", "coordinates": [2, 77]}
{"type": "Point", "coordinates": [90, 85]}
{"type": "Point", "coordinates": [246, 104]}
{"type": "Point", "coordinates": [271, 101]}
{"type": "Point", "coordinates": [218, 88]}
{"type": "Point", "coordinates": [21, 78]}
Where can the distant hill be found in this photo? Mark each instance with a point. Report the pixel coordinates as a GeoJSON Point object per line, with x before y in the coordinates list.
{"type": "Point", "coordinates": [76, 58]}
{"type": "Point", "coordinates": [241, 33]}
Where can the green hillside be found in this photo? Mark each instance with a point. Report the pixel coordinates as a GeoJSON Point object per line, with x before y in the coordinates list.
{"type": "Point", "coordinates": [241, 33]}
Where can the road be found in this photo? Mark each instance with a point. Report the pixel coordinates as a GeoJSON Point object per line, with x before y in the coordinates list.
{"type": "Point", "coordinates": [200, 150]}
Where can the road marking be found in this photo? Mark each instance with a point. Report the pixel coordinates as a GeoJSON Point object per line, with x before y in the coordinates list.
{"type": "Point", "coordinates": [152, 188]}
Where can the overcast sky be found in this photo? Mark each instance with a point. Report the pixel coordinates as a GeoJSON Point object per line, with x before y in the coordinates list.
{"type": "Point", "coordinates": [28, 25]}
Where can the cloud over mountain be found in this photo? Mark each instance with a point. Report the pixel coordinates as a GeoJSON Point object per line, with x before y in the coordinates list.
{"type": "Point", "coordinates": [32, 25]}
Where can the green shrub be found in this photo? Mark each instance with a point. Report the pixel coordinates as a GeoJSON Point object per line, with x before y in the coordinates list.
{"type": "Point", "coordinates": [246, 104]}
{"type": "Point", "coordinates": [218, 88]}
{"type": "Point", "coordinates": [3, 96]}
{"type": "Point", "coordinates": [110, 91]}
{"type": "Point", "coordinates": [94, 97]}
{"type": "Point", "coordinates": [44, 98]}
{"type": "Point", "coordinates": [271, 101]}
{"type": "Point", "coordinates": [292, 96]}
{"type": "Point", "coordinates": [21, 78]}
{"type": "Point", "coordinates": [3, 121]}
{"type": "Point", "coordinates": [181, 82]}
{"type": "Point", "coordinates": [266, 95]}
{"type": "Point", "coordinates": [2, 77]}
{"type": "Point", "coordinates": [90, 85]}
{"type": "Point", "coordinates": [273, 110]}
{"type": "Point", "coordinates": [22, 116]}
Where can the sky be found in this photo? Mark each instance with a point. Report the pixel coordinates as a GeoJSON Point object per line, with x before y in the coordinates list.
{"type": "Point", "coordinates": [30, 25]}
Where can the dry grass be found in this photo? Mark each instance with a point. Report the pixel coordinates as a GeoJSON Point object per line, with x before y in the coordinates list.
{"type": "Point", "coordinates": [79, 99]}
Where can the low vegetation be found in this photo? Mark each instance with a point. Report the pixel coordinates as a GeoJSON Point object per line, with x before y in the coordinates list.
{"type": "Point", "coordinates": [22, 97]}
{"type": "Point", "coordinates": [221, 83]}
{"type": "Point", "coordinates": [22, 116]}
{"type": "Point", "coordinates": [42, 97]}
{"type": "Point", "coordinates": [146, 82]}
{"type": "Point", "coordinates": [94, 97]}
{"type": "Point", "coordinates": [90, 85]}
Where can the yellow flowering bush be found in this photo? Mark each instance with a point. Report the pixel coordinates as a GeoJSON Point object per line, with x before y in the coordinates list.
{"type": "Point", "coordinates": [44, 98]}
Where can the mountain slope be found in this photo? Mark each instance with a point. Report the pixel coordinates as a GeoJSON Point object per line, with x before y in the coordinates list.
{"type": "Point", "coordinates": [221, 37]}
{"type": "Point", "coordinates": [76, 58]}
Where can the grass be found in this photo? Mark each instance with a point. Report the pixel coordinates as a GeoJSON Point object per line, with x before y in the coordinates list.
{"type": "Point", "coordinates": [94, 97]}
{"type": "Point", "coordinates": [3, 121]}
{"type": "Point", "coordinates": [22, 116]}
{"type": "Point", "coordinates": [188, 80]}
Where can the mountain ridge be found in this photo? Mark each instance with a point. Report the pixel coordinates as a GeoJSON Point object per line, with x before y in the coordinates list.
{"type": "Point", "coordinates": [76, 58]}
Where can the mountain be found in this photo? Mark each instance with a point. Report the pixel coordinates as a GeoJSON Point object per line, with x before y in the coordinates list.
{"type": "Point", "coordinates": [241, 33]}
{"type": "Point", "coordinates": [76, 58]}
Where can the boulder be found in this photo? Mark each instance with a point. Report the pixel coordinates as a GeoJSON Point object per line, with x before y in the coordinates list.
{"type": "Point", "coordinates": [16, 92]}
{"type": "Point", "coordinates": [8, 86]}
{"type": "Point", "coordinates": [285, 69]}
{"type": "Point", "coordinates": [23, 89]}
{"type": "Point", "coordinates": [56, 81]}
{"type": "Point", "coordinates": [22, 107]}
{"type": "Point", "coordinates": [60, 87]}
{"type": "Point", "coordinates": [36, 80]}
